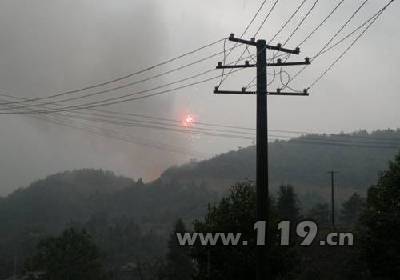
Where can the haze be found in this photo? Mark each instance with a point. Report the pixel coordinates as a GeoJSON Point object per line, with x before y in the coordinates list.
{"type": "Point", "coordinates": [48, 46]}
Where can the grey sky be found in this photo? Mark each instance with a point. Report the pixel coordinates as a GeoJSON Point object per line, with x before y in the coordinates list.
{"type": "Point", "coordinates": [48, 46]}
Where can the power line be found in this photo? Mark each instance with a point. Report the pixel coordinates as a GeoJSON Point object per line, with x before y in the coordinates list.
{"type": "Point", "coordinates": [101, 131]}
{"type": "Point", "coordinates": [291, 36]}
{"type": "Point", "coordinates": [342, 27]}
{"type": "Point", "coordinates": [120, 99]}
{"type": "Point", "coordinates": [286, 139]}
{"type": "Point", "coordinates": [249, 136]}
{"type": "Point", "coordinates": [300, 23]}
{"type": "Point", "coordinates": [321, 23]}
{"type": "Point", "coordinates": [224, 61]}
{"type": "Point", "coordinates": [123, 86]}
{"type": "Point", "coordinates": [252, 83]}
{"type": "Point", "coordinates": [251, 57]}
{"type": "Point", "coordinates": [354, 31]}
{"type": "Point", "coordinates": [274, 138]}
{"type": "Point", "coordinates": [106, 91]}
{"type": "Point", "coordinates": [255, 34]}
{"type": "Point", "coordinates": [350, 46]}
{"type": "Point", "coordinates": [114, 135]}
{"type": "Point", "coordinates": [286, 85]}
{"type": "Point", "coordinates": [127, 76]}
{"type": "Point", "coordinates": [244, 33]}
{"type": "Point", "coordinates": [114, 88]}
{"type": "Point", "coordinates": [254, 18]}
{"type": "Point", "coordinates": [114, 100]}
{"type": "Point", "coordinates": [102, 101]}
{"type": "Point", "coordinates": [265, 19]}
{"type": "Point", "coordinates": [145, 70]}
{"type": "Point", "coordinates": [191, 131]}
{"type": "Point", "coordinates": [244, 135]}
{"type": "Point", "coordinates": [242, 130]}
{"type": "Point", "coordinates": [114, 115]}
{"type": "Point", "coordinates": [325, 143]}
{"type": "Point", "coordinates": [287, 21]}
{"type": "Point", "coordinates": [303, 140]}
{"type": "Point", "coordinates": [153, 124]}
{"type": "Point", "coordinates": [136, 115]}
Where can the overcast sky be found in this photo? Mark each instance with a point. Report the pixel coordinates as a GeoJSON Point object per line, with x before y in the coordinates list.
{"type": "Point", "coordinates": [49, 46]}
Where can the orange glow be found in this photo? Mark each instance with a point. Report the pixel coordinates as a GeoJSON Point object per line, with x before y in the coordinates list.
{"type": "Point", "coordinates": [188, 121]}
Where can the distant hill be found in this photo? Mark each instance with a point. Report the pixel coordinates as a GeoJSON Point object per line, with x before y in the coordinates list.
{"type": "Point", "coordinates": [74, 196]}
{"type": "Point", "coordinates": [114, 209]}
{"type": "Point", "coordinates": [185, 190]}
{"type": "Point", "coordinates": [60, 197]}
{"type": "Point", "coordinates": [302, 162]}
{"type": "Point", "coordinates": [105, 203]}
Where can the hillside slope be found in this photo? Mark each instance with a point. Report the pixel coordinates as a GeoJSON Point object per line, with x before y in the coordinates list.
{"type": "Point", "coordinates": [106, 203]}
{"type": "Point", "coordinates": [302, 162]}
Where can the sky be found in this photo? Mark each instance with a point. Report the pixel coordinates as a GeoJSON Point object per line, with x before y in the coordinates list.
{"type": "Point", "coordinates": [52, 46]}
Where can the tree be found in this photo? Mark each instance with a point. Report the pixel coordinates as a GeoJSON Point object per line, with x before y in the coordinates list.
{"type": "Point", "coordinates": [71, 256]}
{"type": "Point", "coordinates": [179, 264]}
{"type": "Point", "coordinates": [380, 225]}
{"type": "Point", "coordinates": [288, 204]}
{"type": "Point", "coordinates": [351, 209]}
{"type": "Point", "coordinates": [288, 209]}
{"type": "Point", "coordinates": [236, 213]}
{"type": "Point", "coordinates": [320, 214]}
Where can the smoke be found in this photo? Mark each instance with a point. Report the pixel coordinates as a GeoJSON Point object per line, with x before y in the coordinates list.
{"type": "Point", "coordinates": [50, 46]}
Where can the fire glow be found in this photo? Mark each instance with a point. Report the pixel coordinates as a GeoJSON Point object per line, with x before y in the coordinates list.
{"type": "Point", "coordinates": [188, 121]}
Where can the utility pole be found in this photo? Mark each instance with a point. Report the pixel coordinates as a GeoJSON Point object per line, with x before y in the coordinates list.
{"type": "Point", "coordinates": [15, 267]}
{"type": "Point", "coordinates": [208, 264]}
{"type": "Point", "coordinates": [332, 173]}
{"type": "Point", "coordinates": [262, 183]}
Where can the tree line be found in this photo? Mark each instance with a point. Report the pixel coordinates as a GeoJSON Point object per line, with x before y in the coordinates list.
{"type": "Point", "coordinates": [76, 254]}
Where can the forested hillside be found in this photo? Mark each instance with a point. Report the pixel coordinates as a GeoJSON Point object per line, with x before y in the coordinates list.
{"type": "Point", "coordinates": [114, 209]}
{"type": "Point", "coordinates": [302, 162]}
{"type": "Point", "coordinates": [106, 204]}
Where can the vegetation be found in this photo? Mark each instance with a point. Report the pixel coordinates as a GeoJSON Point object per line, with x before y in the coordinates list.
{"type": "Point", "coordinates": [299, 163]}
{"type": "Point", "coordinates": [320, 213]}
{"type": "Point", "coordinates": [179, 264]}
{"type": "Point", "coordinates": [72, 255]}
{"type": "Point", "coordinates": [380, 225]}
{"type": "Point", "coordinates": [114, 210]}
{"type": "Point", "coordinates": [235, 213]}
{"type": "Point", "coordinates": [288, 205]}
{"type": "Point", "coordinates": [127, 224]}
{"type": "Point", "coordinates": [351, 210]}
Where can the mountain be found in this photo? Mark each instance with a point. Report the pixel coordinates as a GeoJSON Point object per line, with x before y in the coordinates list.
{"type": "Point", "coordinates": [59, 198]}
{"type": "Point", "coordinates": [303, 162]}
{"type": "Point", "coordinates": [182, 191]}
{"type": "Point", "coordinates": [117, 210]}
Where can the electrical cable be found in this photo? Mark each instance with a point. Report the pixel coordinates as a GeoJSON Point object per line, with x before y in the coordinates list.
{"type": "Point", "coordinates": [353, 15]}
{"type": "Point", "coordinates": [287, 21]}
{"type": "Point", "coordinates": [130, 74]}
{"type": "Point", "coordinates": [301, 22]}
{"type": "Point", "coordinates": [321, 23]}
{"type": "Point", "coordinates": [340, 57]}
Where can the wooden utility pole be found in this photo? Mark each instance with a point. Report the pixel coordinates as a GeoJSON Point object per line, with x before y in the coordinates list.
{"type": "Point", "coordinates": [262, 184]}
{"type": "Point", "coordinates": [332, 173]}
